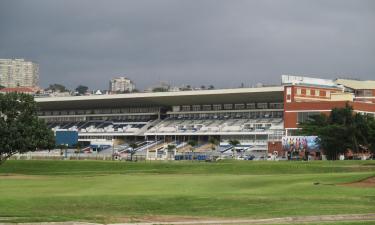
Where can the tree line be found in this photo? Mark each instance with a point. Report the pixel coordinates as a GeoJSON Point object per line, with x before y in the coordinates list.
{"type": "Point", "coordinates": [341, 131]}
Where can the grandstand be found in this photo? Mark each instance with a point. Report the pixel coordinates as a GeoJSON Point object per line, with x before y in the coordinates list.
{"type": "Point", "coordinates": [252, 115]}
{"type": "Point", "coordinates": [257, 117]}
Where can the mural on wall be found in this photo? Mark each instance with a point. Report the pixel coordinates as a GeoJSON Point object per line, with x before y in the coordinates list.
{"type": "Point", "coordinates": [300, 143]}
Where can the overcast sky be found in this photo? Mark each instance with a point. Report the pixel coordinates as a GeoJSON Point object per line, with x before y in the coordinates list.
{"type": "Point", "coordinates": [224, 43]}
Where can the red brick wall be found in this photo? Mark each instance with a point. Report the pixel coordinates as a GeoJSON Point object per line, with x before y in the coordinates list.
{"type": "Point", "coordinates": [275, 146]}
{"type": "Point", "coordinates": [362, 106]}
{"type": "Point", "coordinates": [290, 118]}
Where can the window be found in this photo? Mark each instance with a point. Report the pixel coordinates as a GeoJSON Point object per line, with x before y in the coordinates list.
{"type": "Point", "coordinates": [304, 116]}
{"type": "Point", "coordinates": [176, 108]}
{"type": "Point", "coordinates": [206, 107]}
{"type": "Point", "coordinates": [262, 105]}
{"type": "Point", "coordinates": [364, 93]}
{"type": "Point", "coordinates": [196, 107]}
{"type": "Point", "coordinates": [228, 106]}
{"type": "Point", "coordinates": [186, 108]}
{"type": "Point", "coordinates": [250, 105]}
{"type": "Point", "coordinates": [216, 107]}
{"type": "Point", "coordinates": [328, 94]}
{"type": "Point", "coordinates": [299, 91]}
{"type": "Point", "coordinates": [276, 105]}
{"type": "Point", "coordinates": [239, 106]}
{"type": "Point", "coordinates": [308, 92]}
{"type": "Point", "coordinates": [317, 92]}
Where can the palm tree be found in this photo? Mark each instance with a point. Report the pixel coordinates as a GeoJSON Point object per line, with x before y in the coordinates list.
{"type": "Point", "coordinates": [234, 143]}
{"type": "Point", "coordinates": [192, 144]}
{"type": "Point", "coordinates": [79, 146]}
{"type": "Point", "coordinates": [170, 148]}
{"type": "Point", "coordinates": [132, 151]}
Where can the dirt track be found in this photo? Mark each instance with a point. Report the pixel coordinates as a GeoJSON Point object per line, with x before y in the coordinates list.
{"type": "Point", "coordinates": [369, 182]}
{"type": "Point", "coordinates": [283, 220]}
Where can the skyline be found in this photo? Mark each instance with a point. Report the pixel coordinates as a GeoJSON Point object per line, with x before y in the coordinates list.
{"type": "Point", "coordinates": [223, 43]}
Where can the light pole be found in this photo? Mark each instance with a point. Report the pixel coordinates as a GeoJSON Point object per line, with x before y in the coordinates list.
{"type": "Point", "coordinates": [113, 148]}
{"type": "Point", "coordinates": [66, 151]}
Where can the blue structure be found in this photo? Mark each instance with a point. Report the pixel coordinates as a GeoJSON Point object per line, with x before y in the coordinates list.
{"type": "Point", "coordinates": [69, 138]}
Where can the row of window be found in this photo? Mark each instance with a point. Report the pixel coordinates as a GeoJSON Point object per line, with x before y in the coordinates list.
{"type": "Point", "coordinates": [100, 111]}
{"type": "Point", "coordinates": [313, 92]}
{"type": "Point", "coordinates": [229, 115]}
{"type": "Point", "coordinates": [216, 107]}
{"type": "Point", "coordinates": [305, 116]}
{"type": "Point", "coordinates": [364, 93]}
{"type": "Point", "coordinates": [137, 118]}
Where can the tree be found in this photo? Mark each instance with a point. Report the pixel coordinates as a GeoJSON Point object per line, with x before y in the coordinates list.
{"type": "Point", "coordinates": [234, 143]}
{"type": "Point", "coordinates": [81, 89]}
{"type": "Point", "coordinates": [214, 142]}
{"type": "Point", "coordinates": [133, 146]}
{"type": "Point", "coordinates": [20, 128]}
{"type": "Point", "coordinates": [192, 144]}
{"type": "Point", "coordinates": [170, 148]}
{"type": "Point", "coordinates": [371, 135]}
{"type": "Point", "coordinates": [341, 130]}
{"type": "Point", "coordinates": [57, 88]}
{"type": "Point", "coordinates": [1, 87]}
{"type": "Point", "coordinates": [211, 87]}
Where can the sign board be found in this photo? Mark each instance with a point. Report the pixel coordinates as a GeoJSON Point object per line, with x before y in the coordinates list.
{"type": "Point", "coordinates": [301, 80]}
{"type": "Point", "coordinates": [65, 137]}
{"type": "Point", "coordinates": [301, 143]}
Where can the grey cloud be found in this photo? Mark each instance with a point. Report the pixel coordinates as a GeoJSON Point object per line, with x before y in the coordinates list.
{"type": "Point", "coordinates": [215, 42]}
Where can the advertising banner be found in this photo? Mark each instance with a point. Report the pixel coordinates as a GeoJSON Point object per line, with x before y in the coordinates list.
{"type": "Point", "coordinates": [301, 143]}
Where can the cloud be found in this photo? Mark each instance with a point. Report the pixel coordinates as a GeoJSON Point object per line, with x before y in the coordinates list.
{"type": "Point", "coordinates": [224, 43]}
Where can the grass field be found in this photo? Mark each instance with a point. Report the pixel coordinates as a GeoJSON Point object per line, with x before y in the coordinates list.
{"type": "Point", "coordinates": [99, 191]}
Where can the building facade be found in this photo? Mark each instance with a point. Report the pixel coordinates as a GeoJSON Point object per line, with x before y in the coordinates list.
{"type": "Point", "coordinates": [18, 73]}
{"type": "Point", "coordinates": [121, 85]}
{"type": "Point", "coordinates": [259, 118]}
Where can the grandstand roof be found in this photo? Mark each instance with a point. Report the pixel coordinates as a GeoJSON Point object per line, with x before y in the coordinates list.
{"type": "Point", "coordinates": [357, 84]}
{"type": "Point", "coordinates": [220, 96]}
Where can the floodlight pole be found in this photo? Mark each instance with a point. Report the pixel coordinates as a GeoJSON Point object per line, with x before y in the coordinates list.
{"type": "Point", "coordinates": [113, 148]}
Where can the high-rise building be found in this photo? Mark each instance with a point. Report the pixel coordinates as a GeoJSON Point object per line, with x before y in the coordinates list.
{"type": "Point", "coordinates": [121, 84]}
{"type": "Point", "coordinates": [18, 73]}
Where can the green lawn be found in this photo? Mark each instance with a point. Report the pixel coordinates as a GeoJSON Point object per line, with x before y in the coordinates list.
{"type": "Point", "coordinates": [114, 191]}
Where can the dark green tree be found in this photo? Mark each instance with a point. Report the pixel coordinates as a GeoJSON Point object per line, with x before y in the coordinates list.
{"type": "Point", "coordinates": [214, 142]}
{"type": "Point", "coordinates": [171, 148]}
{"type": "Point", "coordinates": [341, 130]}
{"type": "Point", "coordinates": [192, 143]}
{"type": "Point", "coordinates": [20, 128]}
{"type": "Point", "coordinates": [81, 89]}
{"type": "Point", "coordinates": [371, 135]}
